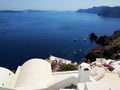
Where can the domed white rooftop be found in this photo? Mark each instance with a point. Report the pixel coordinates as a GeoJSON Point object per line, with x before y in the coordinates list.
{"type": "Point", "coordinates": [34, 72]}
{"type": "Point", "coordinates": [5, 76]}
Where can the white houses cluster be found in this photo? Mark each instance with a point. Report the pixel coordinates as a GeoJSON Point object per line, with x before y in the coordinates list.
{"type": "Point", "coordinates": [37, 74]}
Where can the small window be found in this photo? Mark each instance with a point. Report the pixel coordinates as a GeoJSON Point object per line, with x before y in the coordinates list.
{"type": "Point", "coordinates": [80, 66]}
{"type": "Point", "coordinates": [3, 84]}
{"type": "Point", "coordinates": [86, 69]}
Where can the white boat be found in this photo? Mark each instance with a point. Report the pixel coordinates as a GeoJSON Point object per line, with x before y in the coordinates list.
{"type": "Point", "coordinates": [75, 39]}
{"type": "Point", "coordinates": [74, 52]}
{"type": "Point", "coordinates": [80, 50]}
{"type": "Point", "coordinates": [85, 39]}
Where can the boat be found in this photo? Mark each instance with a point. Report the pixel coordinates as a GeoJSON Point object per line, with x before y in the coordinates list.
{"type": "Point", "coordinates": [80, 50]}
{"type": "Point", "coordinates": [75, 39]}
{"type": "Point", "coordinates": [74, 52]}
{"type": "Point", "coordinates": [85, 39]}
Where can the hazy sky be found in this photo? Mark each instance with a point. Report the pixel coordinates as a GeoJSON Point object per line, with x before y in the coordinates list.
{"type": "Point", "coordinates": [55, 4]}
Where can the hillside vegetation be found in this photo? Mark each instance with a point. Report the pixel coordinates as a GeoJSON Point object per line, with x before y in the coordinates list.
{"type": "Point", "coordinates": [107, 47]}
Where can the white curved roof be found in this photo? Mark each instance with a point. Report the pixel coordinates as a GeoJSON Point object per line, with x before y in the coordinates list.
{"type": "Point", "coordinates": [5, 76]}
{"type": "Point", "coordinates": [34, 72]}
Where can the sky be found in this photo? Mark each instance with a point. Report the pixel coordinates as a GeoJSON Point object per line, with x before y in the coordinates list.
{"type": "Point", "coordinates": [60, 5]}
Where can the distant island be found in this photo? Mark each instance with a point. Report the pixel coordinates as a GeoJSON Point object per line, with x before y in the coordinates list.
{"type": "Point", "coordinates": [10, 11]}
{"type": "Point", "coordinates": [104, 11]}
{"type": "Point", "coordinates": [19, 11]}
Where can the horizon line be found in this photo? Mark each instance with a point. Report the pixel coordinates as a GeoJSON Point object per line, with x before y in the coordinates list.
{"type": "Point", "coordinates": [50, 9]}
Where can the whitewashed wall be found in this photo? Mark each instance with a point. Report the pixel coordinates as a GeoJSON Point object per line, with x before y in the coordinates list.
{"type": "Point", "coordinates": [34, 72]}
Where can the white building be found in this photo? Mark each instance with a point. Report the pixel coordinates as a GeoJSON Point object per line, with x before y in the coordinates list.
{"type": "Point", "coordinates": [59, 60]}
{"type": "Point", "coordinates": [36, 74]}
{"type": "Point", "coordinates": [100, 77]}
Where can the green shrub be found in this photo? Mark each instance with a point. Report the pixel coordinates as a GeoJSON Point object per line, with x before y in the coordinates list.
{"type": "Point", "coordinates": [67, 67]}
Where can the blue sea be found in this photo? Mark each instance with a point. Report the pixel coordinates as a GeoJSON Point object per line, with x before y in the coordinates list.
{"type": "Point", "coordinates": [29, 35]}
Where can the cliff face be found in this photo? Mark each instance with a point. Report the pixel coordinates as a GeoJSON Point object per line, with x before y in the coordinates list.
{"type": "Point", "coordinates": [104, 11]}
{"type": "Point", "coordinates": [109, 50]}
{"type": "Point", "coordinates": [91, 10]}
{"type": "Point", "coordinates": [110, 12]}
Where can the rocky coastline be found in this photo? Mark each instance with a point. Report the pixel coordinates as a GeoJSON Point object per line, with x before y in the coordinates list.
{"type": "Point", "coordinates": [107, 47]}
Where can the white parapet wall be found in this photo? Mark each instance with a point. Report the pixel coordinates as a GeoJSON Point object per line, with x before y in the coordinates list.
{"type": "Point", "coordinates": [63, 79]}
{"type": "Point", "coordinates": [103, 85]}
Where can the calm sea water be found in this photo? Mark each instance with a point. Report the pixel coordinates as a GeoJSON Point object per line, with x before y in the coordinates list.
{"type": "Point", "coordinates": [38, 35]}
